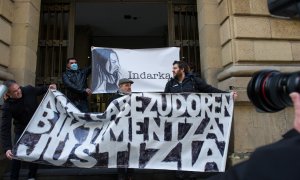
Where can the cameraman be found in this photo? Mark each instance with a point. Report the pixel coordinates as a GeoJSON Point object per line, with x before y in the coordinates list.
{"type": "Point", "coordinates": [280, 160]}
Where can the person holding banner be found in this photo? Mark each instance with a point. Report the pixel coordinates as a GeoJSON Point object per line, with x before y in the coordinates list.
{"type": "Point", "coordinates": [184, 81]}
{"type": "Point", "coordinates": [75, 80]}
{"type": "Point", "coordinates": [276, 161]}
{"type": "Point", "coordinates": [19, 106]}
{"type": "Point", "coordinates": [124, 89]}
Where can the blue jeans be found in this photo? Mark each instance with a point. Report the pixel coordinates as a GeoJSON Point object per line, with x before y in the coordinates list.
{"type": "Point", "coordinates": [16, 166]}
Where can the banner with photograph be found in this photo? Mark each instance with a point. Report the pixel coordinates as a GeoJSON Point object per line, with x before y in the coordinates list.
{"type": "Point", "coordinates": [149, 69]}
{"type": "Point", "coordinates": [188, 131]}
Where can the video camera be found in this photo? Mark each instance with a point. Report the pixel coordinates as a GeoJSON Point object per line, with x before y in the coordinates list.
{"type": "Point", "coordinates": [269, 90]}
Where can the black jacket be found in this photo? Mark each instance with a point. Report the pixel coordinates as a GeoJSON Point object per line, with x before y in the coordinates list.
{"type": "Point", "coordinates": [277, 161]}
{"type": "Point", "coordinates": [20, 110]}
{"type": "Point", "coordinates": [76, 83]}
{"type": "Point", "coordinates": [190, 83]}
{"type": "Point", "coordinates": [117, 95]}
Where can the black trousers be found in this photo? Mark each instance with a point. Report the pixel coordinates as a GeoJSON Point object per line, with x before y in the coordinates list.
{"type": "Point", "coordinates": [82, 105]}
{"type": "Point", "coordinates": [16, 166]}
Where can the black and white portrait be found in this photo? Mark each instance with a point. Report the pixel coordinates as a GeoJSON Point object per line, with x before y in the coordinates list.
{"type": "Point", "coordinates": [106, 72]}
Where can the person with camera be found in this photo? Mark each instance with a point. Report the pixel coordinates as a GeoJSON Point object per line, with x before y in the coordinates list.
{"type": "Point", "coordinates": [277, 161]}
{"type": "Point", "coordinates": [272, 91]}
{"type": "Point", "coordinates": [18, 108]}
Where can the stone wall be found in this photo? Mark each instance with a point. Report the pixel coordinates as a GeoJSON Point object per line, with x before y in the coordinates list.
{"type": "Point", "coordinates": [19, 22]}
{"type": "Point", "coordinates": [6, 19]}
{"type": "Point", "coordinates": [25, 40]}
{"type": "Point", "coordinates": [19, 27]}
{"type": "Point", "coordinates": [209, 40]}
{"type": "Point", "coordinates": [249, 39]}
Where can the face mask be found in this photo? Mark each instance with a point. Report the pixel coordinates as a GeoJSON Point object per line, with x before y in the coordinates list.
{"type": "Point", "coordinates": [74, 67]}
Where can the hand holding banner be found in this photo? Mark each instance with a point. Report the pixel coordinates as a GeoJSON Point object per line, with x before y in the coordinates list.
{"type": "Point", "coordinates": [188, 131]}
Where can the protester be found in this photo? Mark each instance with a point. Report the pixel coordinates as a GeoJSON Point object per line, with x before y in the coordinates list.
{"type": "Point", "coordinates": [124, 89]}
{"type": "Point", "coordinates": [75, 81]}
{"type": "Point", "coordinates": [19, 106]}
{"type": "Point", "coordinates": [184, 81]}
{"type": "Point", "coordinates": [277, 161]}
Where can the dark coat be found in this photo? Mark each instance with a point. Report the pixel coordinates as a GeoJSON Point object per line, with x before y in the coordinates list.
{"type": "Point", "coordinates": [21, 111]}
{"type": "Point", "coordinates": [190, 83]}
{"type": "Point", "coordinates": [277, 161]}
{"type": "Point", "coordinates": [115, 96]}
{"type": "Point", "coordinates": [76, 83]}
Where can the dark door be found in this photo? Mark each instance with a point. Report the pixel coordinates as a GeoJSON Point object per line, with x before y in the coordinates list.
{"type": "Point", "coordinates": [183, 31]}
{"type": "Point", "coordinates": [56, 36]}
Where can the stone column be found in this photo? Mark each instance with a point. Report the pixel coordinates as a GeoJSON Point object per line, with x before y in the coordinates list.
{"type": "Point", "coordinates": [209, 40]}
{"type": "Point", "coordinates": [6, 18]}
{"type": "Point", "coordinates": [24, 45]}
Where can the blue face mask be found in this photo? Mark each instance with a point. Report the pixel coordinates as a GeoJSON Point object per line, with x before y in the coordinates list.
{"type": "Point", "coordinates": [74, 67]}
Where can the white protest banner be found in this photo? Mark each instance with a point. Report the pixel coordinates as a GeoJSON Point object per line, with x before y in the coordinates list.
{"type": "Point", "coordinates": [188, 131]}
{"type": "Point", "coordinates": [150, 69]}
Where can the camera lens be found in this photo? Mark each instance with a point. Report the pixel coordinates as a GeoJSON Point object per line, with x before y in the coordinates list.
{"type": "Point", "coordinates": [269, 90]}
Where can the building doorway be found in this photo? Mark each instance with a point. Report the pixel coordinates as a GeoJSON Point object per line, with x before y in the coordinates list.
{"type": "Point", "coordinates": [119, 25]}
{"type": "Point", "coordinates": [69, 28]}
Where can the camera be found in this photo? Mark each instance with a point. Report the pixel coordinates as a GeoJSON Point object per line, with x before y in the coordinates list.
{"type": "Point", "coordinates": [269, 90]}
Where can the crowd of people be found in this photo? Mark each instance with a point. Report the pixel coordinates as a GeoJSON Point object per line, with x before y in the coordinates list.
{"type": "Point", "coordinates": [20, 103]}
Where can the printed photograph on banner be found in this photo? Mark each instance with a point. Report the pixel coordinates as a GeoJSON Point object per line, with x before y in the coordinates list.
{"type": "Point", "coordinates": [106, 70]}
{"type": "Point", "coordinates": [149, 69]}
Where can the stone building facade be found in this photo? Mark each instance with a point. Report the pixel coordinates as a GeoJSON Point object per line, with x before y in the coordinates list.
{"type": "Point", "coordinates": [18, 40]}
{"type": "Point", "coordinates": [237, 38]}
{"type": "Point", "coordinates": [19, 27]}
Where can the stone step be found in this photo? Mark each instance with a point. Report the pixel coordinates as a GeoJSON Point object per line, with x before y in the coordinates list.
{"type": "Point", "coordinates": [57, 173]}
{"type": "Point", "coordinates": [91, 174]}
